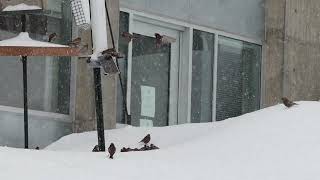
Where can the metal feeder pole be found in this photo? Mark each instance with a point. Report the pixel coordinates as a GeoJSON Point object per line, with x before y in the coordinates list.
{"type": "Point", "coordinates": [25, 89]}
{"type": "Point", "coordinates": [99, 109]}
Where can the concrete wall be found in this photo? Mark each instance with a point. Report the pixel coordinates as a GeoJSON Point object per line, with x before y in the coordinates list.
{"type": "Point", "coordinates": [242, 17]}
{"type": "Point", "coordinates": [273, 51]}
{"type": "Point", "coordinates": [291, 56]}
{"type": "Point", "coordinates": [83, 96]}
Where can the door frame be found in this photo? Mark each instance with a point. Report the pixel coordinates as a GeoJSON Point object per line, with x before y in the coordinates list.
{"type": "Point", "coordinates": [142, 27]}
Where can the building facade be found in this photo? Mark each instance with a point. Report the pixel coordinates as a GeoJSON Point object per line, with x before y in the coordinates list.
{"type": "Point", "coordinates": [225, 58]}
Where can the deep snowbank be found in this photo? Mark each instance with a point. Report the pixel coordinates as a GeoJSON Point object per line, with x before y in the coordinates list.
{"type": "Point", "coordinates": [271, 144]}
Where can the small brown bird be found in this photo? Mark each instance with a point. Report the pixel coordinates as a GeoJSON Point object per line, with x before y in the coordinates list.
{"type": "Point", "coordinates": [37, 148]}
{"type": "Point", "coordinates": [163, 39]}
{"type": "Point", "coordinates": [75, 43]}
{"type": "Point", "coordinates": [112, 52]}
{"type": "Point", "coordinates": [52, 37]}
{"type": "Point", "coordinates": [128, 36]}
{"type": "Point", "coordinates": [146, 139]}
{"type": "Point", "coordinates": [287, 102]}
{"type": "Point", "coordinates": [95, 149]}
{"type": "Point", "coordinates": [111, 150]}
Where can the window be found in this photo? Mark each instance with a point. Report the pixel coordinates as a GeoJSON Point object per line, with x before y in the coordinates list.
{"type": "Point", "coordinates": [202, 76]}
{"type": "Point", "coordinates": [123, 49]}
{"type": "Point", "coordinates": [238, 78]}
{"type": "Point", "coordinates": [48, 77]}
{"type": "Point", "coordinates": [225, 77]}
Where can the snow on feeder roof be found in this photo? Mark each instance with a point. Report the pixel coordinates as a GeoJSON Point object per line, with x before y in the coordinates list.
{"type": "Point", "coordinates": [23, 39]}
{"type": "Point", "coordinates": [23, 45]}
{"type": "Point", "coordinates": [21, 7]}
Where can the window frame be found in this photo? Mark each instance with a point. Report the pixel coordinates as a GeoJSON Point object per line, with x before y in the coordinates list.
{"type": "Point", "coordinates": [186, 40]}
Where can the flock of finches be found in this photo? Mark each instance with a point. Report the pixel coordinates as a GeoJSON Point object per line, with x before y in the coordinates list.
{"type": "Point", "coordinates": [112, 148]}
{"type": "Point", "coordinates": [160, 40]}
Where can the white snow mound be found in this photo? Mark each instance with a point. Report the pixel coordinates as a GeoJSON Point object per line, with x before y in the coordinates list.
{"type": "Point", "coordinates": [24, 40]}
{"type": "Point", "coordinates": [21, 7]}
{"type": "Point", "coordinates": [275, 143]}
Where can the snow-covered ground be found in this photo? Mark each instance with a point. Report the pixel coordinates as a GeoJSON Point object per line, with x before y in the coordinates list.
{"type": "Point", "coordinates": [275, 143]}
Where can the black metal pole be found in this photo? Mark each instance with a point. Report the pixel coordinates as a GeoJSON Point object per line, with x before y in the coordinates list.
{"type": "Point", "coordinates": [99, 109]}
{"type": "Point", "coordinates": [25, 89]}
{"type": "Point", "coordinates": [25, 102]}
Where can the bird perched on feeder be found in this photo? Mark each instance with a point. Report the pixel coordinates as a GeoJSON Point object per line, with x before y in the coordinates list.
{"type": "Point", "coordinates": [287, 102]}
{"type": "Point", "coordinates": [95, 149]}
{"type": "Point", "coordinates": [112, 52]}
{"type": "Point", "coordinates": [111, 150]}
{"type": "Point", "coordinates": [163, 39]}
{"type": "Point", "coordinates": [146, 139]}
{"type": "Point", "coordinates": [128, 36]}
{"type": "Point", "coordinates": [75, 43]}
{"type": "Point", "coordinates": [52, 37]}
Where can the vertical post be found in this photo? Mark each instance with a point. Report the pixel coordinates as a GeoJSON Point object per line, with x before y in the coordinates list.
{"type": "Point", "coordinates": [25, 89]}
{"type": "Point", "coordinates": [25, 102]}
{"type": "Point", "coordinates": [99, 109]}
{"type": "Point", "coordinates": [100, 43]}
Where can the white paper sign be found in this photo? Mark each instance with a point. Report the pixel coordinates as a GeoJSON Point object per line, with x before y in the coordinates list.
{"type": "Point", "coordinates": [148, 100]}
{"type": "Point", "coordinates": [146, 123]}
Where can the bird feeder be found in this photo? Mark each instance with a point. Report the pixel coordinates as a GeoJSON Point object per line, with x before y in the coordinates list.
{"type": "Point", "coordinates": [23, 46]}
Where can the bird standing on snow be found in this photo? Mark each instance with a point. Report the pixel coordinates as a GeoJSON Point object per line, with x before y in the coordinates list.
{"type": "Point", "coordinates": [146, 139]}
{"type": "Point", "coordinates": [111, 150]}
{"type": "Point", "coordinates": [95, 149]}
{"type": "Point", "coordinates": [287, 102]}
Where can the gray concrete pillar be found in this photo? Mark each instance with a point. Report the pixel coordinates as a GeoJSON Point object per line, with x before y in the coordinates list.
{"type": "Point", "coordinates": [273, 52]}
{"type": "Point", "coordinates": [109, 83]}
{"type": "Point", "coordinates": [84, 102]}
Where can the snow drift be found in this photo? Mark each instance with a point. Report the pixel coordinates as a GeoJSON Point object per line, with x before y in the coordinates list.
{"type": "Point", "coordinates": [275, 143]}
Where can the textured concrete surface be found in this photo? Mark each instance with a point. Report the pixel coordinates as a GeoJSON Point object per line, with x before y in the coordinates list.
{"type": "Point", "coordinates": [292, 57]}
{"type": "Point", "coordinates": [84, 98]}
{"type": "Point", "coordinates": [241, 17]}
{"type": "Point", "coordinates": [109, 83]}
{"type": "Point", "coordinates": [273, 52]}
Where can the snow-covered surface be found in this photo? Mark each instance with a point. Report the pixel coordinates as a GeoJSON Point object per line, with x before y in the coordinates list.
{"type": "Point", "coordinates": [21, 7]}
{"type": "Point", "coordinates": [23, 40]}
{"type": "Point", "coordinates": [275, 143]}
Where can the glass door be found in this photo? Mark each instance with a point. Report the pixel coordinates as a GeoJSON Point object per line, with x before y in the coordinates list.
{"type": "Point", "coordinates": [154, 76]}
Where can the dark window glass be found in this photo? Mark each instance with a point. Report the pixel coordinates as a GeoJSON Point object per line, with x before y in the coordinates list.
{"type": "Point", "coordinates": [202, 76]}
{"type": "Point", "coordinates": [123, 49]}
{"type": "Point", "coordinates": [238, 78]}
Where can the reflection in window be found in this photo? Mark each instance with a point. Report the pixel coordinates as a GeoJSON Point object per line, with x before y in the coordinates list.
{"type": "Point", "coordinates": [48, 77]}
{"type": "Point", "coordinates": [238, 78]}
{"type": "Point", "coordinates": [123, 49]}
{"type": "Point", "coordinates": [202, 76]}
